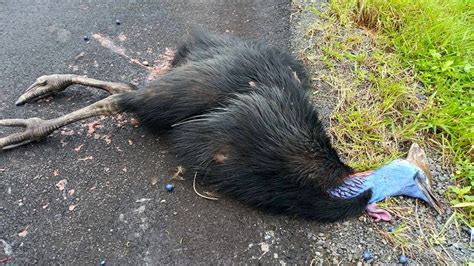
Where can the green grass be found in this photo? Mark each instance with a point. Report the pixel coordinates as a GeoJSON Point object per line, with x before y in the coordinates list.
{"type": "Point", "coordinates": [378, 105]}
{"type": "Point", "coordinates": [434, 41]}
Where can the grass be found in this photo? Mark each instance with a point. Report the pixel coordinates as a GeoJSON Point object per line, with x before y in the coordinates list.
{"type": "Point", "coordinates": [433, 41]}
{"type": "Point", "coordinates": [412, 80]}
{"type": "Point", "coordinates": [378, 103]}
{"type": "Point", "coordinates": [388, 98]}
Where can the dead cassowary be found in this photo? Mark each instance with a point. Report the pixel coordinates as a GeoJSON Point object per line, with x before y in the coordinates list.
{"type": "Point", "coordinates": [240, 117]}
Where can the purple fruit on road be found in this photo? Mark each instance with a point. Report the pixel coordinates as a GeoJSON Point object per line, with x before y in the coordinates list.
{"type": "Point", "coordinates": [366, 255]}
{"type": "Point", "coordinates": [169, 187]}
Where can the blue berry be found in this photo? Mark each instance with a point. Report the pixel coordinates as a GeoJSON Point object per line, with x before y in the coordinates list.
{"type": "Point", "coordinates": [403, 259]}
{"type": "Point", "coordinates": [86, 38]}
{"type": "Point", "coordinates": [102, 263]}
{"type": "Point", "coordinates": [366, 255]}
{"type": "Point", "coordinates": [117, 22]}
{"type": "Point", "coordinates": [391, 229]}
{"type": "Point", "coordinates": [169, 187]}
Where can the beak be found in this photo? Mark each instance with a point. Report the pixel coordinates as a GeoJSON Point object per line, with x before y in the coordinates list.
{"type": "Point", "coordinates": [432, 200]}
{"type": "Point", "coordinates": [417, 156]}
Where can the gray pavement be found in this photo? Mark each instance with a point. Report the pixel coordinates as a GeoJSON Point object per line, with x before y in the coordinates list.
{"type": "Point", "coordinates": [114, 206]}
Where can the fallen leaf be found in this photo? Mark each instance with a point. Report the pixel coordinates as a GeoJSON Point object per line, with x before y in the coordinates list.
{"type": "Point", "coordinates": [78, 148]}
{"type": "Point", "coordinates": [130, 142]}
{"type": "Point", "coordinates": [143, 200]}
{"type": "Point", "coordinates": [71, 192]}
{"type": "Point", "coordinates": [61, 184]}
{"type": "Point", "coordinates": [153, 180]}
{"type": "Point", "coordinates": [45, 206]}
{"type": "Point", "coordinates": [178, 175]}
{"type": "Point", "coordinates": [107, 139]}
{"type": "Point", "coordinates": [79, 56]}
{"type": "Point", "coordinates": [86, 158]}
{"type": "Point", "coordinates": [56, 172]}
{"type": "Point", "coordinates": [72, 207]}
{"type": "Point", "coordinates": [24, 232]}
{"type": "Point", "coordinates": [124, 169]}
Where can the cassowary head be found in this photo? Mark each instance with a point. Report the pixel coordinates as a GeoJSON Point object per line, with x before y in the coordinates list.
{"type": "Point", "coordinates": [422, 179]}
{"type": "Point", "coordinates": [408, 177]}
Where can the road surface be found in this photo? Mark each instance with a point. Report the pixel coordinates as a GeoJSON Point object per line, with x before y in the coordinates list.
{"type": "Point", "coordinates": [82, 198]}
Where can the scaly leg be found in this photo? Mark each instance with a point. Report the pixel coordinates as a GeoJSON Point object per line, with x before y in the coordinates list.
{"type": "Point", "coordinates": [37, 128]}
{"type": "Point", "coordinates": [46, 85]}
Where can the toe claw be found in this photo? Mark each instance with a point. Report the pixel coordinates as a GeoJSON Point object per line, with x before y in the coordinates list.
{"type": "Point", "coordinates": [12, 146]}
{"type": "Point", "coordinates": [44, 86]}
{"type": "Point", "coordinates": [34, 130]}
{"type": "Point", "coordinates": [22, 100]}
{"type": "Point", "coordinates": [34, 94]}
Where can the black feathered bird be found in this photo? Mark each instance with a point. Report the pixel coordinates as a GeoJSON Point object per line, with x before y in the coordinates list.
{"type": "Point", "coordinates": [241, 119]}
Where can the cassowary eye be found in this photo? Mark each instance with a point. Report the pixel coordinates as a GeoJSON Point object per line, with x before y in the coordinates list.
{"type": "Point", "coordinates": [423, 178]}
{"type": "Point", "coordinates": [420, 176]}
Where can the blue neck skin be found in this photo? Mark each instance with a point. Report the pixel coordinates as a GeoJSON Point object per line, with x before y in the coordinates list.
{"type": "Point", "coordinates": [393, 179]}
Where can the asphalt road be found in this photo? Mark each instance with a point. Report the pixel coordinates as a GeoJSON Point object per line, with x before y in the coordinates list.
{"type": "Point", "coordinates": [114, 206]}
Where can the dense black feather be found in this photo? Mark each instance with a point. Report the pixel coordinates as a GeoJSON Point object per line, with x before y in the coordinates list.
{"type": "Point", "coordinates": [243, 121]}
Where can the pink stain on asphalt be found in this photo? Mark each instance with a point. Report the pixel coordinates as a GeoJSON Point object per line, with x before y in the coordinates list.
{"type": "Point", "coordinates": [161, 66]}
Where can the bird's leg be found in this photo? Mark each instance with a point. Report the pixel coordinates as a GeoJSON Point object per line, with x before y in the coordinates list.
{"type": "Point", "coordinates": [46, 85]}
{"type": "Point", "coordinates": [37, 128]}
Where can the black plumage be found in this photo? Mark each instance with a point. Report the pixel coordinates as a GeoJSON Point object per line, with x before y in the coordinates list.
{"type": "Point", "coordinates": [240, 117]}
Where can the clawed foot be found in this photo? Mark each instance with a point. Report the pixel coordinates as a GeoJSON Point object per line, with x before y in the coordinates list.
{"type": "Point", "coordinates": [35, 129]}
{"type": "Point", "coordinates": [44, 86]}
